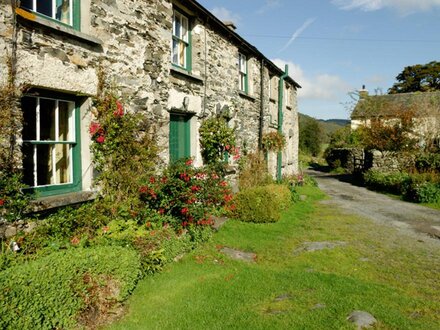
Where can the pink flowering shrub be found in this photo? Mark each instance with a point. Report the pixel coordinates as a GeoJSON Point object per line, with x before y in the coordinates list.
{"type": "Point", "coordinates": [186, 193]}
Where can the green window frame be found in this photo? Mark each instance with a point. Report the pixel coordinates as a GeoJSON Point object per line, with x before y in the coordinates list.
{"type": "Point", "coordinates": [51, 143]}
{"type": "Point", "coordinates": [179, 138]}
{"type": "Point", "coordinates": [181, 43]}
{"type": "Point", "coordinates": [66, 12]}
{"type": "Point", "coordinates": [243, 73]}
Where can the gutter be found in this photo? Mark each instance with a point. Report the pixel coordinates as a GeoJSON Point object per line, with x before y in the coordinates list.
{"type": "Point", "coordinates": [280, 118]}
{"type": "Point", "coordinates": [261, 123]}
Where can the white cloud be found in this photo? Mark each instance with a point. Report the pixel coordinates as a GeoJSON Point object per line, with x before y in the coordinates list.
{"type": "Point", "coordinates": [297, 33]}
{"type": "Point", "coordinates": [319, 87]}
{"type": "Point", "coordinates": [224, 14]}
{"type": "Point", "coordinates": [402, 6]}
{"type": "Point", "coordinates": [268, 5]}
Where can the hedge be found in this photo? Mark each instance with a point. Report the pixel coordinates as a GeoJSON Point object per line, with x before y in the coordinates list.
{"type": "Point", "coordinates": [53, 291]}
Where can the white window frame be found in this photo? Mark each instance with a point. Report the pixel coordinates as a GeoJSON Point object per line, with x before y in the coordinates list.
{"type": "Point", "coordinates": [71, 140]}
{"type": "Point", "coordinates": [243, 73]}
{"type": "Point", "coordinates": [181, 38]}
{"type": "Point", "coordinates": [54, 11]}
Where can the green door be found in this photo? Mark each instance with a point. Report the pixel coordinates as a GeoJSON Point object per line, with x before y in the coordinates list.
{"type": "Point", "coordinates": [179, 136]}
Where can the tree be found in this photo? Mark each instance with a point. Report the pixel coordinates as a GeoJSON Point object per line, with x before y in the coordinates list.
{"type": "Point", "coordinates": [418, 78]}
{"type": "Point", "coordinates": [310, 135]}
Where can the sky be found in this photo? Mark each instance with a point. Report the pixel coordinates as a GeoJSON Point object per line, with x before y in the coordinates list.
{"type": "Point", "coordinates": [333, 47]}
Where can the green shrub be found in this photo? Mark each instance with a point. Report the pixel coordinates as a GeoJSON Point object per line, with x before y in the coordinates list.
{"type": "Point", "coordinates": [14, 203]}
{"type": "Point", "coordinates": [186, 193]}
{"type": "Point", "coordinates": [426, 192]}
{"type": "Point", "coordinates": [262, 204]}
{"type": "Point", "coordinates": [54, 291]}
{"type": "Point", "coordinates": [394, 183]}
{"type": "Point", "coordinates": [428, 162]}
{"type": "Point", "coordinates": [217, 140]}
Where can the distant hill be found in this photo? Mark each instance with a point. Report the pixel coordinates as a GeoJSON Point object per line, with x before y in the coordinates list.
{"type": "Point", "coordinates": [340, 122]}
{"type": "Point", "coordinates": [328, 126]}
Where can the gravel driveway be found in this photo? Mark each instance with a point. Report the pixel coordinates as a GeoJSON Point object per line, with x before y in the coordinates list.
{"type": "Point", "coordinates": [408, 217]}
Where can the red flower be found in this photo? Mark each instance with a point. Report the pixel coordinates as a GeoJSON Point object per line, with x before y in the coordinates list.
{"type": "Point", "coordinates": [153, 194]}
{"type": "Point", "coordinates": [184, 211]}
{"type": "Point", "coordinates": [185, 177]}
{"type": "Point", "coordinates": [191, 201]}
{"type": "Point", "coordinates": [164, 179]}
{"type": "Point", "coordinates": [94, 128]}
{"type": "Point", "coordinates": [152, 179]}
{"type": "Point", "coordinates": [2, 202]}
{"type": "Point", "coordinates": [143, 189]}
{"type": "Point", "coordinates": [161, 211]}
{"type": "Point", "coordinates": [223, 183]}
{"type": "Point", "coordinates": [105, 229]}
{"type": "Point", "coordinates": [184, 224]}
{"type": "Point", "coordinates": [119, 112]}
{"type": "Point", "coordinates": [195, 188]}
{"type": "Point", "coordinates": [148, 224]}
{"type": "Point", "coordinates": [227, 147]}
{"type": "Point", "coordinates": [100, 139]}
{"type": "Point", "coordinates": [227, 197]}
{"type": "Point", "coordinates": [189, 162]}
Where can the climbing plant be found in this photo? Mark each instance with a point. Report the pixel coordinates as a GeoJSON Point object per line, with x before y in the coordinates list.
{"type": "Point", "coordinates": [217, 140]}
{"type": "Point", "coordinates": [123, 147]}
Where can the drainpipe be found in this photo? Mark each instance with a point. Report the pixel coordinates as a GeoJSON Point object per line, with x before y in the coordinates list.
{"type": "Point", "coordinates": [261, 124]}
{"type": "Point", "coordinates": [280, 118]}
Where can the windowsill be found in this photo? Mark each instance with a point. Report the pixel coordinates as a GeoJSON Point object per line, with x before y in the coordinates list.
{"type": "Point", "coordinates": [246, 96]}
{"type": "Point", "coordinates": [181, 72]}
{"type": "Point", "coordinates": [32, 17]}
{"type": "Point", "coordinates": [46, 203]}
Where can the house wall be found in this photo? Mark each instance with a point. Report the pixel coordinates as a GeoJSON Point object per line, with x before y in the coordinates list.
{"type": "Point", "coordinates": [131, 41]}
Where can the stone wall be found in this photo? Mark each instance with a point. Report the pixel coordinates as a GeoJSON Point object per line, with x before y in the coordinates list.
{"type": "Point", "coordinates": [351, 159]}
{"type": "Point", "coordinates": [388, 161]}
{"type": "Point", "coordinates": [357, 160]}
{"type": "Point", "coordinates": [131, 41]}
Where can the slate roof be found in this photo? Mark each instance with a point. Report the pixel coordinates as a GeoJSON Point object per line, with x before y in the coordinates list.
{"type": "Point", "coordinates": [386, 105]}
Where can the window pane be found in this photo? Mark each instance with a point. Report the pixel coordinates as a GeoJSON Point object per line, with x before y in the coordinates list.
{"type": "Point", "coordinates": [27, 4]}
{"type": "Point", "coordinates": [44, 164]}
{"type": "Point", "coordinates": [63, 11]}
{"type": "Point", "coordinates": [29, 105]}
{"type": "Point", "coordinates": [47, 120]}
{"type": "Point", "coordinates": [65, 110]}
{"type": "Point", "coordinates": [44, 7]}
{"type": "Point", "coordinates": [175, 54]}
{"type": "Point", "coordinates": [177, 26]}
{"type": "Point", "coordinates": [28, 164]}
{"type": "Point", "coordinates": [182, 49]}
{"type": "Point", "coordinates": [184, 28]}
{"type": "Point", "coordinates": [62, 163]}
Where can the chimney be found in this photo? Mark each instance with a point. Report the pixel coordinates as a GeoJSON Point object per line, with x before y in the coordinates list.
{"type": "Point", "coordinates": [230, 25]}
{"type": "Point", "coordinates": [363, 93]}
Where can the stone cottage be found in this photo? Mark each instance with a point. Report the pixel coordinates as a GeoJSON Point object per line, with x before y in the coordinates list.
{"type": "Point", "coordinates": [171, 59]}
{"type": "Point", "coordinates": [423, 107]}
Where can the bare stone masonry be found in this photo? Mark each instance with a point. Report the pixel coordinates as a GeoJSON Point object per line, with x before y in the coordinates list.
{"type": "Point", "coordinates": [131, 41]}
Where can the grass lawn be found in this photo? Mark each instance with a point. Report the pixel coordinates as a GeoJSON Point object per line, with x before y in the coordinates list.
{"type": "Point", "coordinates": [394, 277]}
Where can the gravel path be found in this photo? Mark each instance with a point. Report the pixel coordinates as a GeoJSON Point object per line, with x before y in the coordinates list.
{"type": "Point", "coordinates": [408, 217]}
